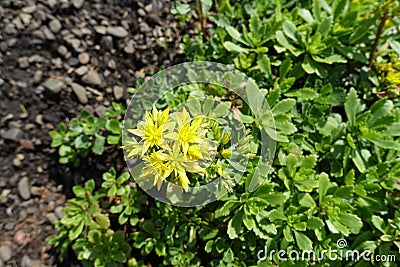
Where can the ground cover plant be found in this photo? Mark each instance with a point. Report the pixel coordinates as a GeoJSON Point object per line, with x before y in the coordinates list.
{"type": "Point", "coordinates": [330, 72]}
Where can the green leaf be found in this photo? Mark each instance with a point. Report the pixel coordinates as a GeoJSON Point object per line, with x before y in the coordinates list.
{"type": "Point", "coordinates": [353, 222]}
{"type": "Point", "coordinates": [290, 30]}
{"type": "Point", "coordinates": [119, 256]}
{"type": "Point", "coordinates": [102, 220]}
{"type": "Point", "coordinates": [303, 241]}
{"type": "Point", "coordinates": [234, 47]}
{"type": "Point", "coordinates": [378, 223]}
{"type": "Point", "coordinates": [113, 126]}
{"type": "Point", "coordinates": [207, 233]}
{"type": "Point", "coordinates": [283, 106]}
{"type": "Point", "coordinates": [160, 248]}
{"type": "Point", "coordinates": [235, 226]}
{"type": "Point", "coordinates": [79, 191]}
{"type": "Point", "coordinates": [307, 201]}
{"type": "Point", "coordinates": [323, 186]}
{"type": "Point", "coordinates": [113, 139]}
{"type": "Point", "coordinates": [314, 223]}
{"type": "Point", "coordinates": [395, 46]}
{"type": "Point", "coordinates": [352, 106]}
{"type": "Point", "coordinates": [303, 93]}
{"type": "Point", "coordinates": [75, 231]}
{"type": "Point", "coordinates": [358, 161]}
{"type": "Point", "coordinates": [98, 144]}
{"type": "Point", "coordinates": [236, 35]}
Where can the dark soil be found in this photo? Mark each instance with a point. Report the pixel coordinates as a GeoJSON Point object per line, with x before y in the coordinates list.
{"type": "Point", "coordinates": [29, 56]}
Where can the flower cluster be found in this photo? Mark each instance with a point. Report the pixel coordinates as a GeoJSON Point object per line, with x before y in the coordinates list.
{"type": "Point", "coordinates": [172, 146]}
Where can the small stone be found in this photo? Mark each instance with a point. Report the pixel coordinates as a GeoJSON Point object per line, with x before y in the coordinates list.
{"type": "Point", "coordinates": [16, 162]}
{"type": "Point", "coordinates": [1, 81]}
{"type": "Point", "coordinates": [5, 253]}
{"type": "Point", "coordinates": [117, 31]}
{"type": "Point", "coordinates": [118, 92]}
{"type": "Point", "coordinates": [51, 217]}
{"type": "Point", "coordinates": [37, 77]}
{"type": "Point", "coordinates": [35, 191]}
{"type": "Point", "coordinates": [92, 78]}
{"type": "Point", "coordinates": [77, 3]}
{"type": "Point", "coordinates": [62, 50]}
{"type": "Point", "coordinates": [48, 34]}
{"type": "Point", "coordinates": [148, 8]}
{"type": "Point", "coordinates": [141, 12]}
{"type": "Point", "coordinates": [36, 59]}
{"type": "Point", "coordinates": [81, 70]}
{"type": "Point", "coordinates": [55, 25]}
{"type": "Point", "coordinates": [24, 189]}
{"type": "Point", "coordinates": [10, 29]}
{"type": "Point", "coordinates": [51, 3]}
{"type": "Point", "coordinates": [73, 61]}
{"type": "Point", "coordinates": [54, 85]}
{"type": "Point", "coordinates": [129, 48]}
{"type": "Point", "coordinates": [39, 119]}
{"type": "Point", "coordinates": [58, 211]}
{"type": "Point", "coordinates": [107, 42]}
{"type": "Point", "coordinates": [100, 29]}
{"type": "Point", "coordinates": [29, 9]}
{"type": "Point", "coordinates": [23, 62]}
{"type": "Point", "coordinates": [26, 18]}
{"type": "Point", "coordinates": [4, 195]}
{"type": "Point", "coordinates": [111, 64]}
{"type": "Point", "coordinates": [13, 134]}
{"type": "Point", "coordinates": [144, 27]}
{"type": "Point", "coordinates": [84, 58]}
{"type": "Point", "coordinates": [26, 261]}
{"type": "Point", "coordinates": [19, 237]}
{"type": "Point", "coordinates": [80, 92]}
{"type": "Point", "coordinates": [9, 226]}
{"type": "Point", "coordinates": [100, 110]}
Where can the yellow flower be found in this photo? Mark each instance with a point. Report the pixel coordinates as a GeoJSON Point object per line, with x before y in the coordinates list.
{"type": "Point", "coordinates": [153, 129]}
{"type": "Point", "coordinates": [133, 148]}
{"type": "Point", "coordinates": [180, 164]}
{"type": "Point", "coordinates": [155, 166]}
{"type": "Point", "coordinates": [187, 132]}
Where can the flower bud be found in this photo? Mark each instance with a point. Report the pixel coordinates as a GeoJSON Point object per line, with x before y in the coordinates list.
{"type": "Point", "coordinates": [226, 153]}
{"type": "Point", "coordinates": [225, 138]}
{"type": "Point", "coordinates": [194, 152]}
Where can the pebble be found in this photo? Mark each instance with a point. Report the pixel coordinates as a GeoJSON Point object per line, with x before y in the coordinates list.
{"type": "Point", "coordinates": [26, 18]}
{"type": "Point", "coordinates": [16, 162]}
{"type": "Point", "coordinates": [80, 92]}
{"type": "Point", "coordinates": [29, 9]}
{"type": "Point", "coordinates": [4, 195]}
{"type": "Point", "coordinates": [13, 134]}
{"type": "Point", "coordinates": [54, 85]}
{"type": "Point", "coordinates": [111, 64]}
{"type": "Point", "coordinates": [77, 3]}
{"type": "Point", "coordinates": [5, 253]}
{"type": "Point", "coordinates": [39, 119]}
{"type": "Point", "coordinates": [144, 27]}
{"type": "Point", "coordinates": [1, 81]}
{"type": "Point", "coordinates": [51, 217]}
{"type": "Point", "coordinates": [55, 25]}
{"type": "Point", "coordinates": [24, 188]}
{"type": "Point", "coordinates": [84, 58]}
{"type": "Point", "coordinates": [62, 50]}
{"type": "Point", "coordinates": [100, 110]}
{"type": "Point", "coordinates": [23, 62]}
{"type": "Point", "coordinates": [10, 29]}
{"type": "Point", "coordinates": [107, 42]}
{"type": "Point", "coordinates": [117, 31]}
{"type": "Point", "coordinates": [92, 78]}
{"type": "Point", "coordinates": [19, 237]}
{"type": "Point", "coordinates": [37, 77]}
{"type": "Point", "coordinates": [73, 61]}
{"type": "Point", "coordinates": [48, 34]}
{"type": "Point", "coordinates": [118, 92]}
{"type": "Point", "coordinates": [81, 70]}
{"type": "Point", "coordinates": [129, 48]}
{"type": "Point", "coordinates": [141, 12]}
{"type": "Point", "coordinates": [9, 226]}
{"type": "Point", "coordinates": [100, 29]}
{"type": "Point", "coordinates": [58, 211]}
{"type": "Point", "coordinates": [35, 191]}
